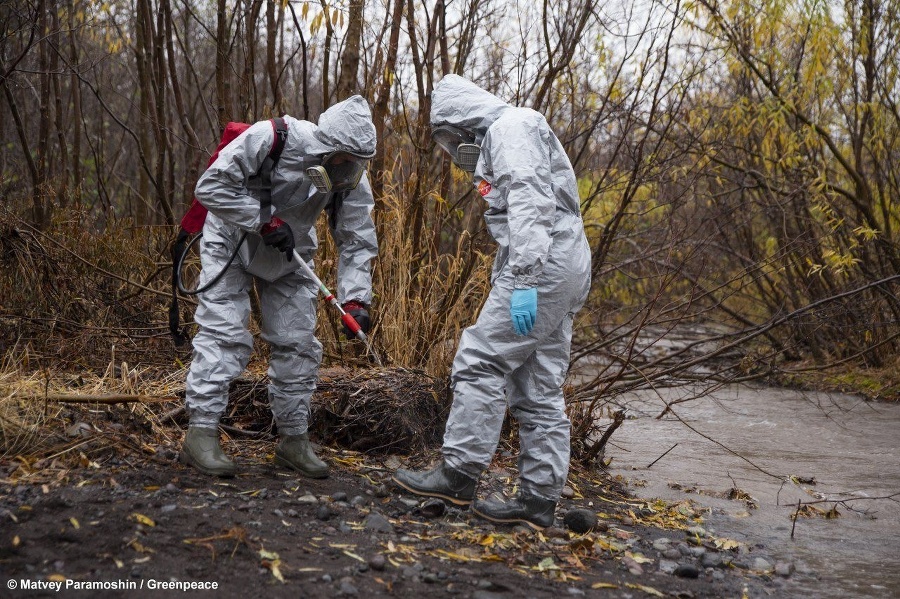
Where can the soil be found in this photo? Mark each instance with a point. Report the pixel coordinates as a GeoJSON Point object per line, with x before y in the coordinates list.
{"type": "Point", "coordinates": [143, 522]}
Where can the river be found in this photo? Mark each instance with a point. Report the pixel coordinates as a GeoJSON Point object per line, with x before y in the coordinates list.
{"type": "Point", "coordinates": [847, 445]}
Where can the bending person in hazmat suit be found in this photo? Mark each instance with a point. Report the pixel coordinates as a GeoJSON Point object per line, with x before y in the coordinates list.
{"type": "Point", "coordinates": [517, 352]}
{"type": "Point", "coordinates": [276, 224]}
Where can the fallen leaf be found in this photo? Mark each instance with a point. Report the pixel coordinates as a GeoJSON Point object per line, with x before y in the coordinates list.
{"type": "Point", "coordinates": [646, 589]}
{"type": "Point", "coordinates": [142, 560]}
{"type": "Point", "coordinates": [118, 563]}
{"type": "Point", "coordinates": [16, 541]}
{"type": "Point", "coordinates": [142, 519]}
{"type": "Point", "coordinates": [546, 564]}
{"type": "Point", "coordinates": [639, 558]}
{"type": "Point", "coordinates": [56, 578]}
{"type": "Point", "coordinates": [353, 555]}
{"type": "Point", "coordinates": [604, 585]}
{"type": "Point", "coordinates": [75, 523]}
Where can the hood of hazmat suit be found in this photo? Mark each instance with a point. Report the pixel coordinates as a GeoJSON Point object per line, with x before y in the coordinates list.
{"type": "Point", "coordinates": [533, 212]}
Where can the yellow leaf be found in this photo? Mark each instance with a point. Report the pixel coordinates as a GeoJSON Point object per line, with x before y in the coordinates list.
{"type": "Point", "coordinates": [353, 555]}
{"type": "Point", "coordinates": [142, 519]}
{"type": "Point", "coordinates": [56, 578]}
{"type": "Point", "coordinates": [75, 523]}
{"type": "Point", "coordinates": [118, 563]}
{"type": "Point", "coordinates": [269, 555]}
{"type": "Point", "coordinates": [487, 541]}
{"type": "Point", "coordinates": [646, 589]}
{"type": "Point", "coordinates": [639, 558]}
{"type": "Point", "coordinates": [16, 541]}
{"type": "Point", "coordinates": [604, 585]}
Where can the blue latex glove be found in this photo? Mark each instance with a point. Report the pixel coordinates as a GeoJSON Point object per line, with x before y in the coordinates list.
{"type": "Point", "coordinates": [523, 309]}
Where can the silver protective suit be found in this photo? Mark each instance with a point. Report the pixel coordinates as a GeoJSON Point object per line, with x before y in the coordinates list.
{"type": "Point", "coordinates": [534, 215]}
{"type": "Point", "coordinates": [230, 191]}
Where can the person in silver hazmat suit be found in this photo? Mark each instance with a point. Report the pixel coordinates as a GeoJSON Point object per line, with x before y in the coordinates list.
{"type": "Point", "coordinates": [320, 168]}
{"type": "Point", "coordinates": [517, 352]}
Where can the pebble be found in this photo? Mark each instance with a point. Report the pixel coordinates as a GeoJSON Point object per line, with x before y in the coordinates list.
{"type": "Point", "coordinates": [711, 560]}
{"type": "Point", "coordinates": [339, 496]}
{"type": "Point", "coordinates": [307, 499]}
{"type": "Point", "coordinates": [378, 523]}
{"type": "Point", "coordinates": [580, 520]}
{"type": "Point", "coordinates": [278, 513]}
{"type": "Point", "coordinates": [687, 571]}
{"type": "Point", "coordinates": [358, 500]}
{"type": "Point", "coordinates": [575, 591]}
{"type": "Point", "coordinates": [324, 512]}
{"type": "Point", "coordinates": [430, 578]}
{"type": "Point", "coordinates": [627, 521]}
{"type": "Point", "coordinates": [698, 551]}
{"type": "Point", "coordinates": [326, 578]}
{"type": "Point", "coordinates": [718, 575]}
{"type": "Point", "coordinates": [661, 545]}
{"type": "Point", "coordinates": [568, 492]}
{"type": "Point", "coordinates": [761, 565]}
{"type": "Point", "coordinates": [672, 553]}
{"type": "Point", "coordinates": [784, 568]}
{"type": "Point", "coordinates": [633, 567]}
{"type": "Point", "coordinates": [347, 587]}
{"type": "Point", "coordinates": [409, 572]}
{"type": "Point", "coordinates": [410, 503]}
{"type": "Point", "coordinates": [377, 562]}
{"type": "Point", "coordinates": [382, 491]}
{"type": "Point", "coordinates": [667, 566]}
{"type": "Point", "coordinates": [168, 508]}
{"type": "Point", "coordinates": [292, 513]}
{"type": "Point", "coordinates": [698, 531]}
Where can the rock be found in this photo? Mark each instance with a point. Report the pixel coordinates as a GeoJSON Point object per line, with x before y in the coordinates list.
{"type": "Point", "coordinates": [698, 551]}
{"type": "Point", "coordinates": [377, 562]}
{"type": "Point", "coordinates": [308, 499]}
{"type": "Point", "coordinates": [661, 545]}
{"type": "Point", "coordinates": [667, 566]}
{"type": "Point", "coordinates": [339, 496]}
{"type": "Point", "coordinates": [687, 571]}
{"type": "Point", "coordinates": [378, 523]}
{"type": "Point", "coordinates": [430, 578]}
{"type": "Point", "coordinates": [168, 508]}
{"type": "Point", "coordinates": [347, 587]}
{"type": "Point", "coordinates": [633, 567]}
{"type": "Point", "coordinates": [292, 513]}
{"type": "Point", "coordinates": [784, 569]}
{"type": "Point", "coordinates": [392, 463]}
{"type": "Point", "coordinates": [568, 492]}
{"type": "Point", "coordinates": [324, 512]}
{"type": "Point", "coordinates": [382, 491]}
{"type": "Point", "coordinates": [358, 500]}
{"type": "Point", "coordinates": [278, 513]}
{"type": "Point", "coordinates": [575, 592]}
{"type": "Point", "coordinates": [433, 508]}
{"type": "Point", "coordinates": [760, 565]}
{"type": "Point", "coordinates": [580, 520]}
{"type": "Point", "coordinates": [326, 578]}
{"type": "Point", "coordinates": [711, 560]}
{"type": "Point", "coordinates": [672, 553]}
{"type": "Point", "coordinates": [409, 573]}
{"type": "Point", "coordinates": [626, 521]}
{"type": "Point", "coordinates": [409, 503]}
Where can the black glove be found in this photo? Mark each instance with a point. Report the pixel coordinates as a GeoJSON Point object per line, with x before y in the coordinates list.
{"type": "Point", "coordinates": [360, 313]}
{"type": "Point", "coordinates": [279, 235]}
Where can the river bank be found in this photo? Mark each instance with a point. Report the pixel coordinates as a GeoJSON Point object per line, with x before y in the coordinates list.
{"type": "Point", "coordinates": [749, 454]}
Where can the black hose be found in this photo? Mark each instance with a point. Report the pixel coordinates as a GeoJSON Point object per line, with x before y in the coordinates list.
{"type": "Point", "coordinates": [215, 279]}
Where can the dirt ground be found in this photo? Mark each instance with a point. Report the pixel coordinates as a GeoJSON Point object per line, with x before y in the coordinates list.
{"type": "Point", "coordinates": [139, 523]}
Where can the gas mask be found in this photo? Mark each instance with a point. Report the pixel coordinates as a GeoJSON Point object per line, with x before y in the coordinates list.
{"type": "Point", "coordinates": [460, 144]}
{"type": "Point", "coordinates": [339, 171]}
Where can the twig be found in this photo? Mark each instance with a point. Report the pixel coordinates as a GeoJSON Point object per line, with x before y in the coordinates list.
{"type": "Point", "coordinates": [662, 456]}
{"type": "Point", "coordinates": [111, 398]}
{"type": "Point", "coordinates": [796, 515]}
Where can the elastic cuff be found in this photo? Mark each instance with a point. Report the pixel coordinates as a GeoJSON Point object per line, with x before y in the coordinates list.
{"type": "Point", "coordinates": [525, 281]}
{"type": "Point", "coordinates": [204, 420]}
{"type": "Point", "coordinates": [471, 470]}
{"type": "Point", "coordinates": [292, 429]}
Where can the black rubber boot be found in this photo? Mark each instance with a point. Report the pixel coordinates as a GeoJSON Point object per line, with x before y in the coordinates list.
{"type": "Point", "coordinates": [295, 452]}
{"type": "Point", "coordinates": [201, 450]}
{"type": "Point", "coordinates": [536, 512]}
{"type": "Point", "coordinates": [442, 482]}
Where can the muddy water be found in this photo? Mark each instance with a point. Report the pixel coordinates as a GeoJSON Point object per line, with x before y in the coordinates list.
{"type": "Point", "coordinates": [850, 447]}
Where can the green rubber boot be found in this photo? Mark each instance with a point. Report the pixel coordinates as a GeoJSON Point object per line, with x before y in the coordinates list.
{"type": "Point", "coordinates": [201, 450]}
{"type": "Point", "coordinates": [295, 452]}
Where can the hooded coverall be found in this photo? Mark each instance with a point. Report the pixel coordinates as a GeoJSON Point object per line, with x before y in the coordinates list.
{"type": "Point", "coordinates": [228, 188]}
{"type": "Point", "coordinates": [534, 215]}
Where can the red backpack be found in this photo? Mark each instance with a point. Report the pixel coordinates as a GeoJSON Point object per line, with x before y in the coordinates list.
{"type": "Point", "coordinates": [193, 220]}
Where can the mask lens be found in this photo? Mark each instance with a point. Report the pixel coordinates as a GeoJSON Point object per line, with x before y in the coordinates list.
{"type": "Point", "coordinates": [344, 170]}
